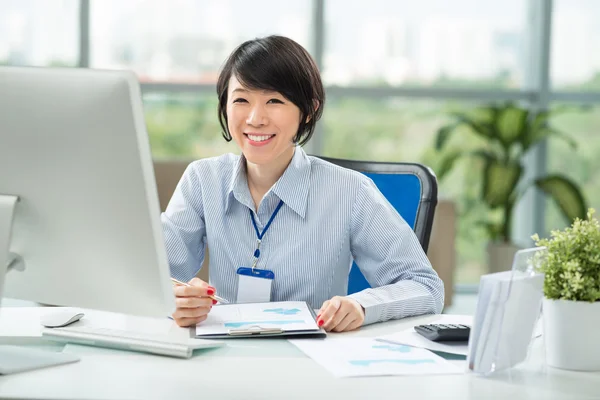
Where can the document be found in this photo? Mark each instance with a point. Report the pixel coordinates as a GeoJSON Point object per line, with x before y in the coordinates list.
{"type": "Point", "coordinates": [411, 338]}
{"type": "Point", "coordinates": [352, 357]}
{"type": "Point", "coordinates": [259, 318]}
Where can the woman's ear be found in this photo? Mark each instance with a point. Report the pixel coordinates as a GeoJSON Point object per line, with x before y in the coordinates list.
{"type": "Point", "coordinates": [316, 105]}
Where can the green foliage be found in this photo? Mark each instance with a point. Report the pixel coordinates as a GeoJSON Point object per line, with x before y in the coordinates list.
{"type": "Point", "coordinates": [507, 132]}
{"type": "Point", "coordinates": [186, 127]}
{"type": "Point", "coordinates": [572, 265]}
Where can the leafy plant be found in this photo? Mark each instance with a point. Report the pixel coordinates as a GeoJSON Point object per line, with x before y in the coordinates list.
{"type": "Point", "coordinates": [509, 132]}
{"type": "Point", "coordinates": [572, 264]}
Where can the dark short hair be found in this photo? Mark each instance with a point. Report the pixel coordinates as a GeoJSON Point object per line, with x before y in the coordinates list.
{"type": "Point", "coordinates": [281, 65]}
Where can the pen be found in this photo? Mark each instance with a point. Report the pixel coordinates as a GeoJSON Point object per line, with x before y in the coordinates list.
{"type": "Point", "coordinates": [214, 296]}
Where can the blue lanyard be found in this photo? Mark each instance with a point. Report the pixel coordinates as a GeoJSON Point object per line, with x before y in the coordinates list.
{"type": "Point", "coordinates": [260, 235]}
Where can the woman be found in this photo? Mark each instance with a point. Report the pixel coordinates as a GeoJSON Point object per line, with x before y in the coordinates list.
{"type": "Point", "coordinates": [294, 223]}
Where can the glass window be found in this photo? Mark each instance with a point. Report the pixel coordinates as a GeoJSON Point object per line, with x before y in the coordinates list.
{"type": "Point", "coordinates": [459, 43]}
{"type": "Point", "coordinates": [575, 60]}
{"type": "Point", "coordinates": [184, 126]}
{"type": "Point", "coordinates": [401, 129]}
{"type": "Point", "coordinates": [186, 40]}
{"type": "Point", "coordinates": [39, 32]}
{"type": "Point", "coordinates": [581, 164]}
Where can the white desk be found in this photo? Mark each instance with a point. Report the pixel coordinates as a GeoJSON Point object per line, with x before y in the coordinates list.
{"type": "Point", "coordinates": [270, 369]}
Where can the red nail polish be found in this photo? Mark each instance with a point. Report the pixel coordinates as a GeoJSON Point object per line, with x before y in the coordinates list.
{"type": "Point", "coordinates": [210, 292]}
{"type": "Point", "coordinates": [320, 323]}
{"type": "Point", "coordinates": [215, 302]}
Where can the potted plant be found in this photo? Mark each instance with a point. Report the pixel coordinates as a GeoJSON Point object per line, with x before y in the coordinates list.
{"type": "Point", "coordinates": [507, 132]}
{"type": "Point", "coordinates": [571, 306]}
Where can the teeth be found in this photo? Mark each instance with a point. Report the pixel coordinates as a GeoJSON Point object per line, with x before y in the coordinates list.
{"type": "Point", "coordinates": [261, 138]}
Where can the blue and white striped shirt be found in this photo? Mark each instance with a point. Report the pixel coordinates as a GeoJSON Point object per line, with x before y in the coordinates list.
{"type": "Point", "coordinates": [330, 217]}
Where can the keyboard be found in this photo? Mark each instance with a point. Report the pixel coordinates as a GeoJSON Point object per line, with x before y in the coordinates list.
{"type": "Point", "coordinates": [129, 340]}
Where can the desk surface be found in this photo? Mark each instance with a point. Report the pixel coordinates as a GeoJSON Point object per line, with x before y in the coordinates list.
{"type": "Point", "coordinates": [270, 369]}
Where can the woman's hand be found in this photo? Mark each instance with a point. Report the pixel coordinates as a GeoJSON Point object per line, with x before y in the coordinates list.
{"type": "Point", "coordinates": [192, 302]}
{"type": "Point", "coordinates": [341, 314]}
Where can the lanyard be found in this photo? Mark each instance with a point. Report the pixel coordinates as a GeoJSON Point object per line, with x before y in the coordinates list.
{"type": "Point", "coordinates": [260, 235]}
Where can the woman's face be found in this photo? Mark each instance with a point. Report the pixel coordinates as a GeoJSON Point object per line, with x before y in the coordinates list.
{"type": "Point", "coordinates": [262, 123]}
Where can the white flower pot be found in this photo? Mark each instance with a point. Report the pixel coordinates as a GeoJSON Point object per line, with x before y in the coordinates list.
{"type": "Point", "coordinates": [571, 331]}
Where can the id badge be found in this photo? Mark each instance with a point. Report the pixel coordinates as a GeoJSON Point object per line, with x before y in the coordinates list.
{"type": "Point", "coordinates": [254, 286]}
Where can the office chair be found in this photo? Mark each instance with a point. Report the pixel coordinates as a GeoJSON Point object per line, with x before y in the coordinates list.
{"type": "Point", "coordinates": [411, 188]}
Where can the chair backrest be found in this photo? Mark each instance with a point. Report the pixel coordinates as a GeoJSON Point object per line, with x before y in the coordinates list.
{"type": "Point", "coordinates": [412, 190]}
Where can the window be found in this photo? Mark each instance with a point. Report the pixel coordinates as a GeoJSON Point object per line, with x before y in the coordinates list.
{"type": "Point", "coordinates": [186, 41]}
{"type": "Point", "coordinates": [575, 63]}
{"type": "Point", "coordinates": [582, 164]}
{"type": "Point", "coordinates": [39, 32]}
{"type": "Point", "coordinates": [470, 52]}
{"type": "Point", "coordinates": [459, 43]}
{"type": "Point", "coordinates": [184, 126]}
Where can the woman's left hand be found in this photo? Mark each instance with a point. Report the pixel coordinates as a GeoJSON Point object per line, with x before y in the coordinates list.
{"type": "Point", "coordinates": [340, 314]}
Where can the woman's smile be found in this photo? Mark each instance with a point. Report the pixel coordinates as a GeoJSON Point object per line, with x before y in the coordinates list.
{"type": "Point", "coordinates": [259, 139]}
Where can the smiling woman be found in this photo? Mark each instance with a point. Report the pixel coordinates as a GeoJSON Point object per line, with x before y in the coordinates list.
{"type": "Point", "coordinates": [265, 112]}
{"type": "Point", "coordinates": [270, 98]}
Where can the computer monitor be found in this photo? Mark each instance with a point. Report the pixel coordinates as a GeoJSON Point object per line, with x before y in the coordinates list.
{"type": "Point", "coordinates": [77, 183]}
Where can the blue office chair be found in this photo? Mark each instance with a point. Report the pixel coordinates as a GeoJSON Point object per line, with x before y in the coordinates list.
{"type": "Point", "coordinates": [411, 188]}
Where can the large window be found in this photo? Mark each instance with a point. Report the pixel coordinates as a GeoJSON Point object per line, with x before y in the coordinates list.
{"type": "Point", "coordinates": [186, 40]}
{"type": "Point", "coordinates": [575, 42]}
{"type": "Point", "coordinates": [39, 32]}
{"type": "Point", "coordinates": [459, 43]}
{"type": "Point", "coordinates": [393, 71]}
{"type": "Point", "coordinates": [184, 126]}
{"type": "Point", "coordinates": [581, 164]}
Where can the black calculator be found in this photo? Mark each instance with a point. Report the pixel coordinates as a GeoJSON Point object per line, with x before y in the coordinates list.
{"type": "Point", "coordinates": [444, 332]}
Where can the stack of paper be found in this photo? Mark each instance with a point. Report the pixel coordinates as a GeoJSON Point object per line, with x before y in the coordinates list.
{"type": "Point", "coordinates": [350, 357]}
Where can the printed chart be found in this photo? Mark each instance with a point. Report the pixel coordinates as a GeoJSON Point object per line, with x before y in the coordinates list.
{"type": "Point", "coordinates": [288, 316]}
{"type": "Point", "coordinates": [347, 357]}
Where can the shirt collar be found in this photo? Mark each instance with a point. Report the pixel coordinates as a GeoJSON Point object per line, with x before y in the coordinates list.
{"type": "Point", "coordinates": [292, 187]}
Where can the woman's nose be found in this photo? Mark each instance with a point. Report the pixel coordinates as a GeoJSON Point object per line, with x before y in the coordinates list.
{"type": "Point", "coordinates": [257, 116]}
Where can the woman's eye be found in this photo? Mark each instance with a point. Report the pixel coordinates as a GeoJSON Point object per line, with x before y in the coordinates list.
{"type": "Point", "coordinates": [240, 100]}
{"type": "Point", "coordinates": [275, 101]}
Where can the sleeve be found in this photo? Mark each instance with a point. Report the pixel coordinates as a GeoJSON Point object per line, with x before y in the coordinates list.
{"type": "Point", "coordinates": [392, 260]}
{"type": "Point", "coordinates": [184, 229]}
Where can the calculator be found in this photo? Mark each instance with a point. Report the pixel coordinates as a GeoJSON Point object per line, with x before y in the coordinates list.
{"type": "Point", "coordinates": [444, 332]}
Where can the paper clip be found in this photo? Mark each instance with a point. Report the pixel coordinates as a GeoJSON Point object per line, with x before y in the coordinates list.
{"type": "Point", "coordinates": [255, 330]}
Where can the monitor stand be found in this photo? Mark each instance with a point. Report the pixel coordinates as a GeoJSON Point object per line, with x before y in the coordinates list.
{"type": "Point", "coordinates": [13, 358]}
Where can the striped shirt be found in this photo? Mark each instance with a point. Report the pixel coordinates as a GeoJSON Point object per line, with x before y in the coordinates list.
{"type": "Point", "coordinates": [330, 217]}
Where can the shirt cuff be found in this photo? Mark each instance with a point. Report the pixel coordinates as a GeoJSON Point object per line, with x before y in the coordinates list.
{"type": "Point", "coordinates": [371, 304]}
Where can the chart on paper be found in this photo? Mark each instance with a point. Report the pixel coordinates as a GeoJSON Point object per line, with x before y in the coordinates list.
{"type": "Point", "coordinates": [288, 316]}
{"type": "Point", "coordinates": [348, 357]}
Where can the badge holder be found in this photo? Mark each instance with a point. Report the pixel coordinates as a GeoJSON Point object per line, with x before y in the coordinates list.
{"type": "Point", "coordinates": [254, 285]}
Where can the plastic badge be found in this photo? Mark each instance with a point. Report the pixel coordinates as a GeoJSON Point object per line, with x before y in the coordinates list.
{"type": "Point", "coordinates": [254, 285]}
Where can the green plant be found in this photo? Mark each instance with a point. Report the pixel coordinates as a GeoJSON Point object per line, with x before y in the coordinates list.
{"type": "Point", "coordinates": [572, 264]}
{"type": "Point", "coordinates": [508, 132]}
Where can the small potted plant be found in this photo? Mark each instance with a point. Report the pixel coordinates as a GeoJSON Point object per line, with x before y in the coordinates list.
{"type": "Point", "coordinates": [571, 307]}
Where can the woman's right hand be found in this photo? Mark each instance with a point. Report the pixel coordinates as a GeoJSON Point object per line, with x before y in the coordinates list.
{"type": "Point", "coordinates": [193, 303]}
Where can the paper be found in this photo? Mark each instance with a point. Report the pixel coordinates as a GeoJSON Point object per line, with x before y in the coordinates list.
{"type": "Point", "coordinates": [285, 315]}
{"type": "Point", "coordinates": [351, 357]}
{"type": "Point", "coordinates": [411, 338]}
